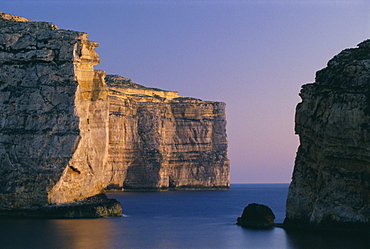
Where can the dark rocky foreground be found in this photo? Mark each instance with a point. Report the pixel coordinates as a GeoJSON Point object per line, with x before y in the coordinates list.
{"type": "Point", "coordinates": [92, 207]}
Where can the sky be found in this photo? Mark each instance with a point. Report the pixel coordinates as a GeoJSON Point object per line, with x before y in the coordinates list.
{"type": "Point", "coordinates": [254, 55]}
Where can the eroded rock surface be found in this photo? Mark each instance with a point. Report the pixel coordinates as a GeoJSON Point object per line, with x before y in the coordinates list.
{"type": "Point", "coordinates": [66, 135]}
{"type": "Point", "coordinates": [331, 180]}
{"type": "Point", "coordinates": [159, 140]}
{"type": "Point", "coordinates": [54, 115]}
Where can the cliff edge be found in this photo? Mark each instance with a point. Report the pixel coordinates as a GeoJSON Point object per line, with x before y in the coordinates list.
{"type": "Point", "coordinates": [160, 140]}
{"type": "Point", "coordinates": [330, 188]}
{"type": "Point", "coordinates": [54, 116]}
{"type": "Point", "coordinates": [69, 132]}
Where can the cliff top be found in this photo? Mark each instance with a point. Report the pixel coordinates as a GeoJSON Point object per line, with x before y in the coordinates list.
{"type": "Point", "coordinates": [119, 85]}
{"type": "Point", "coordinates": [17, 24]}
{"type": "Point", "coordinates": [348, 69]}
{"type": "Point", "coordinates": [122, 82]}
{"type": "Point", "coordinates": [9, 17]}
{"type": "Point", "coordinates": [364, 44]}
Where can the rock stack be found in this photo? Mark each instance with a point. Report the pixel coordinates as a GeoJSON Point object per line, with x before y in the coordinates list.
{"type": "Point", "coordinates": [330, 188]}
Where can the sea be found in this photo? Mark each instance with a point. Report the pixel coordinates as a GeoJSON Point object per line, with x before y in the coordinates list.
{"type": "Point", "coordinates": [175, 219]}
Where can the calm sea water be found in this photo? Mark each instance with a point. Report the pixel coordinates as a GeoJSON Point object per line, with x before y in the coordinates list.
{"type": "Point", "coordinates": [176, 219]}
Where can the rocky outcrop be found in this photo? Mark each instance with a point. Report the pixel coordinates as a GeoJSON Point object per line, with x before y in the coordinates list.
{"type": "Point", "coordinates": [159, 140]}
{"type": "Point", "coordinates": [92, 207]}
{"type": "Point", "coordinates": [330, 188]}
{"type": "Point", "coordinates": [66, 135]}
{"type": "Point", "coordinates": [54, 118]}
{"type": "Point", "coordinates": [257, 216]}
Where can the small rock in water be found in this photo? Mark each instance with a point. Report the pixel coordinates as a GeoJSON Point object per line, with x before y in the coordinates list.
{"type": "Point", "coordinates": [257, 216]}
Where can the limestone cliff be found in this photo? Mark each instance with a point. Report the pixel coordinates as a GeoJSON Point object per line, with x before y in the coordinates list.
{"type": "Point", "coordinates": [331, 180]}
{"type": "Point", "coordinates": [66, 135]}
{"type": "Point", "coordinates": [159, 140]}
{"type": "Point", "coordinates": [54, 118]}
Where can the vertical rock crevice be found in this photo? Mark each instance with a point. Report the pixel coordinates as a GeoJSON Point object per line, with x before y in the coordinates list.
{"type": "Point", "coordinates": [92, 109]}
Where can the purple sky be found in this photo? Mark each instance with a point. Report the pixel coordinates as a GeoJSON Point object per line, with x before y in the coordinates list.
{"type": "Point", "coordinates": [252, 54]}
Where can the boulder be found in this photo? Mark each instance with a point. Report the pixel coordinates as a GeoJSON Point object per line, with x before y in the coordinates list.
{"type": "Point", "coordinates": [257, 216]}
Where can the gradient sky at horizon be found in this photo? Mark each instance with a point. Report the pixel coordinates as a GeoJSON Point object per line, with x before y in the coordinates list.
{"type": "Point", "coordinates": [253, 55]}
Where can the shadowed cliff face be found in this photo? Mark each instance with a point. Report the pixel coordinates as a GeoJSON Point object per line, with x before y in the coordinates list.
{"type": "Point", "coordinates": [331, 179]}
{"type": "Point", "coordinates": [159, 140]}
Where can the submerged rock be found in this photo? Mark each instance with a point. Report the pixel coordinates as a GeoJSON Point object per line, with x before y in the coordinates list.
{"type": "Point", "coordinates": [257, 216]}
{"type": "Point", "coordinates": [330, 188]}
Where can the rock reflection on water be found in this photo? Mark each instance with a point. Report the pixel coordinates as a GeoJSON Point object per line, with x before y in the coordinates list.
{"type": "Point", "coordinates": [58, 233]}
{"type": "Point", "coordinates": [327, 240]}
{"type": "Point", "coordinates": [262, 238]}
{"type": "Point", "coordinates": [90, 233]}
{"type": "Point", "coordinates": [175, 220]}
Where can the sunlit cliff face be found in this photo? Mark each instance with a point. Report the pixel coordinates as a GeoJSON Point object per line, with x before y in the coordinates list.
{"type": "Point", "coordinates": [54, 122]}
{"type": "Point", "coordinates": [83, 175]}
{"type": "Point", "coordinates": [66, 135]}
{"type": "Point", "coordinates": [159, 140]}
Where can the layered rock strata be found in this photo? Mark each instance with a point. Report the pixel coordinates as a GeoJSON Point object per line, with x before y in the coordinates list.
{"type": "Point", "coordinates": [66, 135]}
{"type": "Point", "coordinates": [159, 140]}
{"type": "Point", "coordinates": [330, 188]}
{"type": "Point", "coordinates": [54, 115]}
